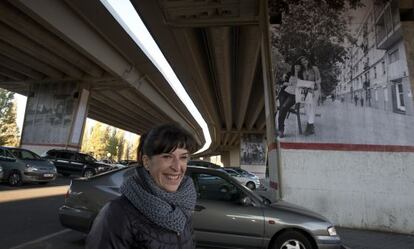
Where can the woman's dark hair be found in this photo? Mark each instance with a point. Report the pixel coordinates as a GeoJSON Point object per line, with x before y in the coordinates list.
{"type": "Point", "coordinates": [164, 139]}
{"type": "Point", "coordinates": [302, 68]}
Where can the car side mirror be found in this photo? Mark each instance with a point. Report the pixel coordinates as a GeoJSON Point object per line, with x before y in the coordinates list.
{"type": "Point", "coordinates": [246, 201]}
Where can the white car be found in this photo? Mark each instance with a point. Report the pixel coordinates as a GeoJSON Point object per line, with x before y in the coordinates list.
{"type": "Point", "coordinates": [250, 181]}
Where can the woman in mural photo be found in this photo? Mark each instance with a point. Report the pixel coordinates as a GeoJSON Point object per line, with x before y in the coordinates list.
{"type": "Point", "coordinates": [310, 72]}
{"type": "Point", "coordinates": [288, 100]}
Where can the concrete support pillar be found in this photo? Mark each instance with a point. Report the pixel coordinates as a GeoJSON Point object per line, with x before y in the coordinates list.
{"type": "Point", "coordinates": [235, 157]}
{"type": "Point", "coordinates": [55, 116]}
{"type": "Point", "coordinates": [408, 37]}
{"type": "Point", "coordinates": [272, 156]}
{"type": "Point", "coordinates": [225, 158]}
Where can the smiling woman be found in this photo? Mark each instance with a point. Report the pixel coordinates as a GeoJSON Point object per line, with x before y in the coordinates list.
{"type": "Point", "coordinates": [158, 199]}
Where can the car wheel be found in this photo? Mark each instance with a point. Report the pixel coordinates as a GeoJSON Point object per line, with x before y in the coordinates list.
{"type": "Point", "coordinates": [88, 173]}
{"type": "Point", "coordinates": [292, 240]}
{"type": "Point", "coordinates": [251, 185]}
{"type": "Point", "coordinates": [15, 178]}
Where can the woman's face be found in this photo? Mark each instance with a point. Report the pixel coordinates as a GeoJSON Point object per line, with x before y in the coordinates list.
{"type": "Point", "coordinates": [304, 62]}
{"type": "Point", "coordinates": [167, 169]}
{"type": "Point", "coordinates": [297, 68]}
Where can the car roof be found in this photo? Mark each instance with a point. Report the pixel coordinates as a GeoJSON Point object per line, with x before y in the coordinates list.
{"type": "Point", "coordinates": [203, 163]}
{"type": "Point", "coordinates": [71, 151]}
{"type": "Point", "coordinates": [14, 148]}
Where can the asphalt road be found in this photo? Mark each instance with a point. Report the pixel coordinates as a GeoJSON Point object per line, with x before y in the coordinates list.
{"type": "Point", "coordinates": [29, 217]}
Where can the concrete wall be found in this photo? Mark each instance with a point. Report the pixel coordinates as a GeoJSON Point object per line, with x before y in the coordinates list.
{"type": "Point", "coordinates": [372, 190]}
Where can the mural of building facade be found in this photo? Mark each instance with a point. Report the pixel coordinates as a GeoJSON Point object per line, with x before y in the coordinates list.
{"type": "Point", "coordinates": [357, 59]}
{"type": "Point", "coordinates": [375, 71]}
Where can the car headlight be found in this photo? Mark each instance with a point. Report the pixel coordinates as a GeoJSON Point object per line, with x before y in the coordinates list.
{"type": "Point", "coordinates": [30, 168]}
{"type": "Point", "coordinates": [332, 231]}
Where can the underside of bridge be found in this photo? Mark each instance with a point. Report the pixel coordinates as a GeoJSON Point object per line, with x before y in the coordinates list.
{"type": "Point", "coordinates": [213, 47]}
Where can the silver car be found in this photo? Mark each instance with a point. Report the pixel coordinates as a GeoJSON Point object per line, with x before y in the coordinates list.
{"type": "Point", "coordinates": [250, 181]}
{"type": "Point", "coordinates": [227, 214]}
{"type": "Point", "coordinates": [21, 165]}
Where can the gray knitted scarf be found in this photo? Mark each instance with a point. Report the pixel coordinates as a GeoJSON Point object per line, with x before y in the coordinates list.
{"type": "Point", "coordinates": [168, 210]}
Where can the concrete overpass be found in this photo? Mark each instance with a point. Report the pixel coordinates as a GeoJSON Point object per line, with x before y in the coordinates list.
{"type": "Point", "coordinates": [218, 51]}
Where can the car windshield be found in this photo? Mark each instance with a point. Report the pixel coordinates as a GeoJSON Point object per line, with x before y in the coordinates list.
{"type": "Point", "coordinates": [231, 172]}
{"type": "Point", "coordinates": [25, 154]}
{"type": "Point", "coordinates": [89, 158]}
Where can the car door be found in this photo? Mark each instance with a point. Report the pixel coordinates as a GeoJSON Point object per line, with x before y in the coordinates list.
{"type": "Point", "coordinates": [78, 163]}
{"type": "Point", "coordinates": [7, 162]}
{"type": "Point", "coordinates": [220, 220]}
{"type": "Point", "coordinates": [62, 161]}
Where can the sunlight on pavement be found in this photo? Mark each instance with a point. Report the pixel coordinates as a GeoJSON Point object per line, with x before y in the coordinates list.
{"type": "Point", "coordinates": [25, 194]}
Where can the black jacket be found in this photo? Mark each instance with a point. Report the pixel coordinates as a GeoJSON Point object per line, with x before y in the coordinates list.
{"type": "Point", "coordinates": [119, 225]}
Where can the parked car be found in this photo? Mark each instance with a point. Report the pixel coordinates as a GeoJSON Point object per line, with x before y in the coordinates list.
{"type": "Point", "coordinates": [242, 171]}
{"type": "Point", "coordinates": [227, 214]}
{"type": "Point", "coordinates": [204, 164]}
{"type": "Point", "coordinates": [21, 165]}
{"type": "Point", "coordinates": [128, 162]}
{"type": "Point", "coordinates": [250, 181]}
{"type": "Point", "coordinates": [69, 162]}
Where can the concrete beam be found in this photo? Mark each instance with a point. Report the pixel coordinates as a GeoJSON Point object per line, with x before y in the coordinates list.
{"type": "Point", "coordinates": [219, 39]}
{"type": "Point", "coordinates": [257, 97]}
{"type": "Point", "coordinates": [247, 56]}
{"type": "Point", "coordinates": [22, 69]}
{"type": "Point", "coordinates": [29, 61]}
{"type": "Point", "coordinates": [137, 100]}
{"type": "Point", "coordinates": [200, 89]}
{"type": "Point", "coordinates": [234, 139]}
{"type": "Point", "coordinates": [122, 104]}
{"type": "Point", "coordinates": [37, 33]}
{"type": "Point", "coordinates": [17, 40]}
{"type": "Point", "coordinates": [226, 138]}
{"type": "Point", "coordinates": [58, 16]}
{"type": "Point", "coordinates": [261, 121]}
{"type": "Point", "coordinates": [11, 74]}
{"type": "Point", "coordinates": [116, 119]}
{"type": "Point", "coordinates": [104, 119]}
{"type": "Point", "coordinates": [255, 111]}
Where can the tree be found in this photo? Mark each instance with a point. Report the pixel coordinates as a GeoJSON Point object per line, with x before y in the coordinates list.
{"type": "Point", "coordinates": [116, 144]}
{"type": "Point", "coordinates": [121, 144]}
{"type": "Point", "coordinates": [9, 132]}
{"type": "Point", "coordinates": [97, 142]}
{"type": "Point", "coordinates": [317, 29]}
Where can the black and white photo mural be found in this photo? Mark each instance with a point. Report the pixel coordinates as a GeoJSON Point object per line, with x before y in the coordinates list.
{"type": "Point", "coordinates": [341, 74]}
{"type": "Point", "coordinates": [252, 150]}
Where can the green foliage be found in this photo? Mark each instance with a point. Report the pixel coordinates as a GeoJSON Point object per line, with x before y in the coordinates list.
{"type": "Point", "coordinates": [318, 30]}
{"type": "Point", "coordinates": [102, 139]}
{"type": "Point", "coordinates": [9, 132]}
{"type": "Point", "coordinates": [96, 143]}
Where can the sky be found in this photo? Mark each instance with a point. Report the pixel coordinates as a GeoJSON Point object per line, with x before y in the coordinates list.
{"type": "Point", "coordinates": [20, 109]}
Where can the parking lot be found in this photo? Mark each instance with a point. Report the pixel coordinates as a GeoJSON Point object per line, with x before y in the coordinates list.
{"type": "Point", "coordinates": [29, 220]}
{"type": "Point", "coordinates": [30, 212]}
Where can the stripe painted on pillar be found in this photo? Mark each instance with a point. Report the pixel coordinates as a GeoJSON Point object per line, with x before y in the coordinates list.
{"type": "Point", "coordinates": [343, 147]}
